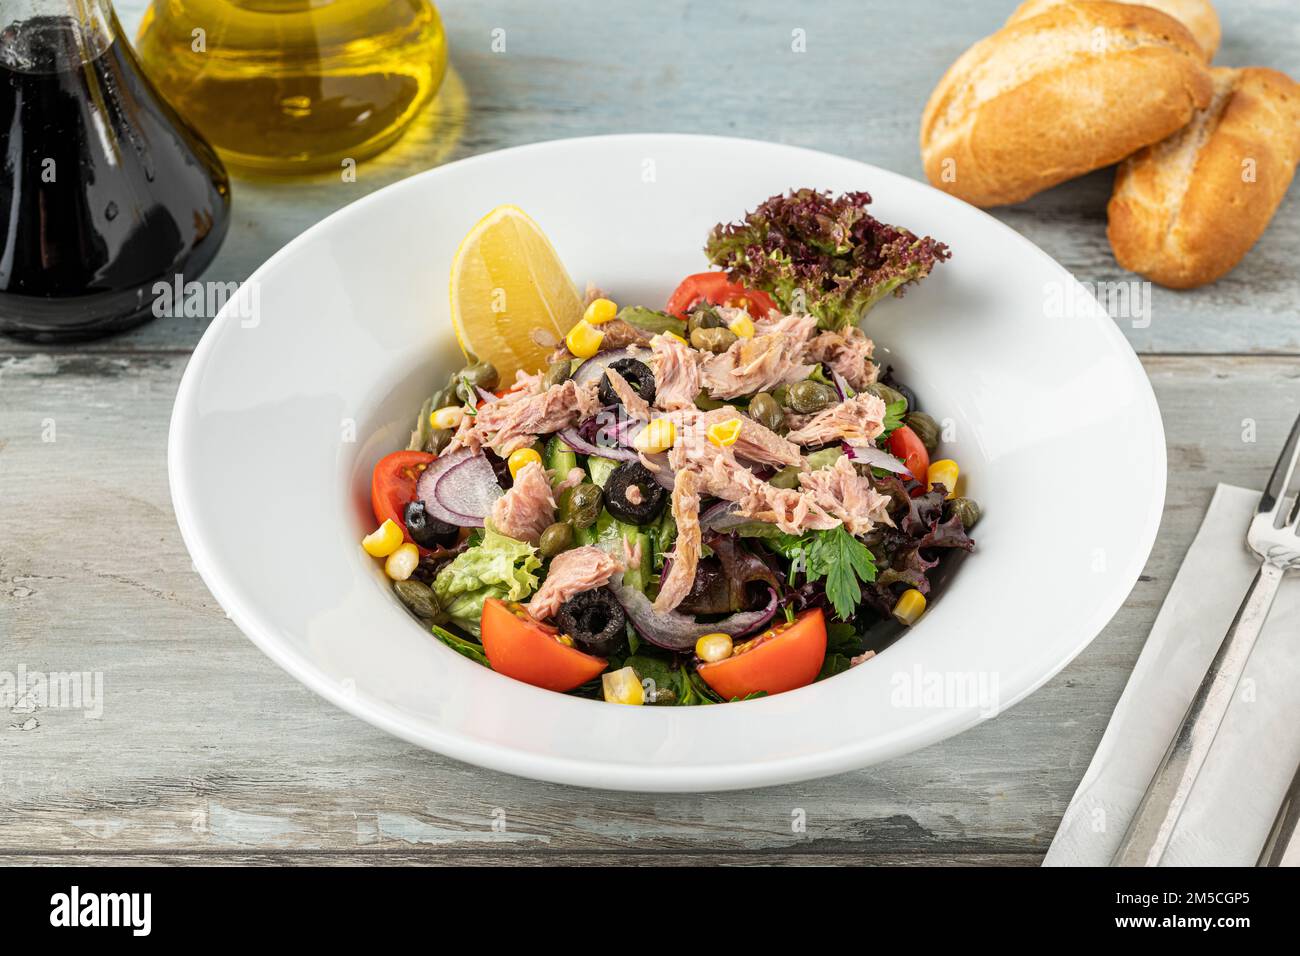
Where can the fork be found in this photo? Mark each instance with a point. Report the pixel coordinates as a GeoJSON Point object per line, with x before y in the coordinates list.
{"type": "Point", "coordinates": [1274, 537]}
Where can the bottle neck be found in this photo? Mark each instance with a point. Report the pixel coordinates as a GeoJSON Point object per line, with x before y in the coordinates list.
{"type": "Point", "coordinates": [41, 36]}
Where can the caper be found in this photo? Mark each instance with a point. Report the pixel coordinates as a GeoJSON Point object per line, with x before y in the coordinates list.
{"type": "Point", "coordinates": [662, 696]}
{"type": "Point", "coordinates": [886, 394]}
{"type": "Point", "coordinates": [809, 396]}
{"type": "Point", "coordinates": [926, 428]}
{"type": "Point", "coordinates": [556, 538]}
{"type": "Point", "coordinates": [703, 318]}
{"type": "Point", "coordinates": [968, 510]}
{"type": "Point", "coordinates": [823, 458]}
{"type": "Point", "coordinates": [713, 340]}
{"type": "Point", "coordinates": [444, 397]}
{"type": "Point", "coordinates": [787, 477]}
{"type": "Point", "coordinates": [763, 408]}
{"type": "Point", "coordinates": [583, 505]}
{"type": "Point", "coordinates": [557, 373]}
{"type": "Point", "coordinates": [418, 597]}
{"type": "Point", "coordinates": [437, 440]}
{"type": "Point", "coordinates": [480, 375]}
{"type": "Point", "coordinates": [782, 395]}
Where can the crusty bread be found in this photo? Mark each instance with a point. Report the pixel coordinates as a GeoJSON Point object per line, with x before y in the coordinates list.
{"type": "Point", "coordinates": [1078, 87]}
{"type": "Point", "coordinates": [1185, 210]}
{"type": "Point", "coordinates": [1197, 15]}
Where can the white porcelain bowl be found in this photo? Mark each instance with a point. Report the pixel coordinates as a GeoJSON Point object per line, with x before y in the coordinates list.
{"type": "Point", "coordinates": [314, 371]}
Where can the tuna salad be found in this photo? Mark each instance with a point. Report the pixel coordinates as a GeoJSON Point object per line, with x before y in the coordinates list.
{"type": "Point", "coordinates": [717, 500]}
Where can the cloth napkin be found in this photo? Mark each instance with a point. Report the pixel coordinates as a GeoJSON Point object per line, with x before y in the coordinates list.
{"type": "Point", "coordinates": [1256, 751]}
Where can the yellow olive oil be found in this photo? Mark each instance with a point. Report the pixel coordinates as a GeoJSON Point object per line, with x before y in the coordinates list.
{"type": "Point", "coordinates": [290, 86]}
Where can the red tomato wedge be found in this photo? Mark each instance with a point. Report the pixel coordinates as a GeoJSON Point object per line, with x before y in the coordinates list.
{"type": "Point", "coordinates": [716, 289]}
{"type": "Point", "coordinates": [780, 659]}
{"type": "Point", "coordinates": [392, 485]}
{"type": "Point", "coordinates": [907, 445]}
{"type": "Point", "coordinates": [520, 647]}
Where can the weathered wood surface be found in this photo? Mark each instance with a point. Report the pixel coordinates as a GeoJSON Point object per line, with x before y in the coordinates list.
{"type": "Point", "coordinates": [208, 752]}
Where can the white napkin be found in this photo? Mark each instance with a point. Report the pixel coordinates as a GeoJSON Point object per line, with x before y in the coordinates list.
{"type": "Point", "coordinates": [1255, 754]}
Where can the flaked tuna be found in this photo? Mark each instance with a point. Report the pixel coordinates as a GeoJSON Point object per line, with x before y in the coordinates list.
{"type": "Point", "coordinates": [721, 475]}
{"type": "Point", "coordinates": [621, 335]}
{"type": "Point", "coordinates": [572, 572]}
{"type": "Point", "coordinates": [685, 558]}
{"type": "Point", "coordinates": [575, 477]}
{"type": "Point", "coordinates": [762, 362]}
{"type": "Point", "coordinates": [635, 406]}
{"type": "Point", "coordinates": [857, 421]}
{"type": "Point", "coordinates": [515, 422]}
{"type": "Point", "coordinates": [756, 443]}
{"type": "Point", "coordinates": [677, 372]}
{"type": "Point", "coordinates": [847, 495]}
{"type": "Point", "coordinates": [847, 352]}
{"type": "Point", "coordinates": [528, 508]}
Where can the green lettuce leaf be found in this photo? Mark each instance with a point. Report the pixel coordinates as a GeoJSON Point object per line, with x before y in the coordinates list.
{"type": "Point", "coordinates": [497, 567]}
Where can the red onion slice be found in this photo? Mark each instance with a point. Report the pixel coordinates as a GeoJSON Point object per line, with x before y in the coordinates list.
{"type": "Point", "coordinates": [459, 488]}
{"type": "Point", "coordinates": [678, 632]}
{"type": "Point", "coordinates": [593, 368]}
{"type": "Point", "coordinates": [574, 440]}
{"type": "Point", "coordinates": [876, 458]}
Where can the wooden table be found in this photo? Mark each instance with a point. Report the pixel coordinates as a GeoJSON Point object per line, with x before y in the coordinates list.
{"type": "Point", "coordinates": [206, 751]}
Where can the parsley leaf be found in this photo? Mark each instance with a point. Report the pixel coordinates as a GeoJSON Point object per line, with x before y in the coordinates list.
{"type": "Point", "coordinates": [894, 413]}
{"type": "Point", "coordinates": [835, 555]}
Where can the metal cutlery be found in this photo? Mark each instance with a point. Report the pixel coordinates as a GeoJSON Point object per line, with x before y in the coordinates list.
{"type": "Point", "coordinates": [1274, 537]}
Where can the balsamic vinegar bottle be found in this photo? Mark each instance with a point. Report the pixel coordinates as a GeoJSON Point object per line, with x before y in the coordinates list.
{"type": "Point", "coordinates": [104, 191]}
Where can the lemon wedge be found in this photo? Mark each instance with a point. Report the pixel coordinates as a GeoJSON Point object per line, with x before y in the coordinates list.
{"type": "Point", "coordinates": [507, 283]}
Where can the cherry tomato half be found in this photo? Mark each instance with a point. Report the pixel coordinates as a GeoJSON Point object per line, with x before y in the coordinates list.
{"type": "Point", "coordinates": [907, 445]}
{"type": "Point", "coordinates": [716, 289]}
{"type": "Point", "coordinates": [526, 650]}
{"type": "Point", "coordinates": [392, 485]}
{"type": "Point", "coordinates": [780, 659]}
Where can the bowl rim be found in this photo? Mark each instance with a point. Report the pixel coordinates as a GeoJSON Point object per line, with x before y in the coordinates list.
{"type": "Point", "coordinates": [590, 772]}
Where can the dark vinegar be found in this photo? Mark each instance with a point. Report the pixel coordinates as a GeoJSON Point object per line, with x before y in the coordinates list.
{"type": "Point", "coordinates": [104, 190]}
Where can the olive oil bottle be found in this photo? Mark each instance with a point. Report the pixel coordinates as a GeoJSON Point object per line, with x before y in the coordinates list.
{"type": "Point", "coordinates": [290, 86]}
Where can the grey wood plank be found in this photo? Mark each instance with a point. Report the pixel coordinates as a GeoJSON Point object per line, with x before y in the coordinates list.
{"type": "Point", "coordinates": [728, 68]}
{"type": "Point", "coordinates": [655, 858]}
{"type": "Point", "coordinates": [204, 746]}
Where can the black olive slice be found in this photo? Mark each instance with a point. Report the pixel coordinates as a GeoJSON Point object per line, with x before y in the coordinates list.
{"type": "Point", "coordinates": [595, 620]}
{"type": "Point", "coordinates": [637, 374]}
{"type": "Point", "coordinates": [426, 530]}
{"type": "Point", "coordinates": [633, 495]}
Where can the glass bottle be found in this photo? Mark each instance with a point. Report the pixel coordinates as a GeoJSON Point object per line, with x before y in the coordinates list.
{"type": "Point", "coordinates": [295, 86]}
{"type": "Point", "coordinates": [104, 190]}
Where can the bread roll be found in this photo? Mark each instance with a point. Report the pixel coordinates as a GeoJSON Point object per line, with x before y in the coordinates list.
{"type": "Point", "coordinates": [1197, 15]}
{"type": "Point", "coordinates": [1078, 87]}
{"type": "Point", "coordinates": [1184, 211]}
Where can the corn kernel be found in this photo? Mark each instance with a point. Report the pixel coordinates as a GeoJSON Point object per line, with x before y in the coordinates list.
{"type": "Point", "coordinates": [742, 326]}
{"type": "Point", "coordinates": [725, 433]}
{"type": "Point", "coordinates": [521, 457]}
{"type": "Point", "coordinates": [623, 686]}
{"type": "Point", "coordinates": [599, 312]}
{"type": "Point", "coordinates": [449, 417]}
{"type": "Point", "coordinates": [944, 472]}
{"type": "Point", "coordinates": [659, 434]}
{"type": "Point", "coordinates": [401, 564]}
{"type": "Point", "coordinates": [384, 540]}
{"type": "Point", "coordinates": [713, 647]}
{"type": "Point", "coordinates": [909, 607]}
{"type": "Point", "coordinates": [584, 339]}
